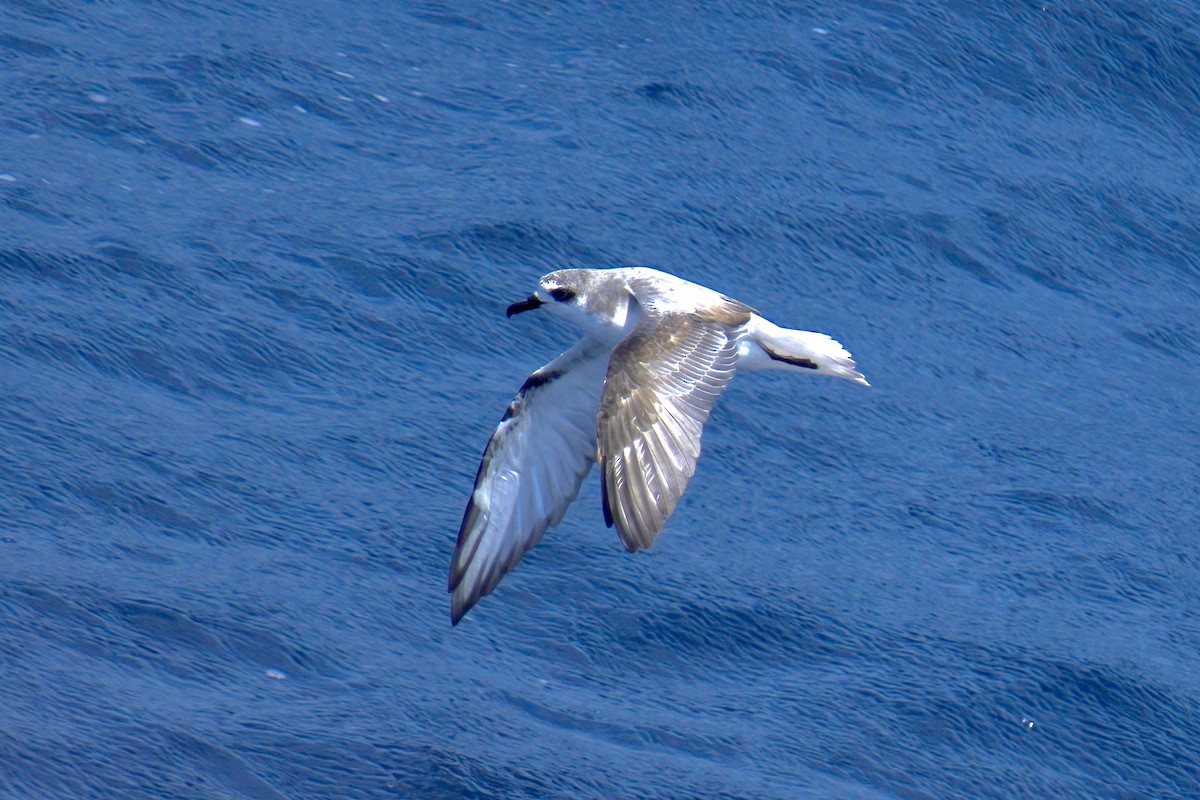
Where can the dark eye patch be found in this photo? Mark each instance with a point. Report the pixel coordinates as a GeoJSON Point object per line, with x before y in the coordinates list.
{"type": "Point", "coordinates": [562, 295]}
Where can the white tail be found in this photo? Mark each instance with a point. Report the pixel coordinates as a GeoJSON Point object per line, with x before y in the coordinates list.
{"type": "Point", "coordinates": [769, 346]}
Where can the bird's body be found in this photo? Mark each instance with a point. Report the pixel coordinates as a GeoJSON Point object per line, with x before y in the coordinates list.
{"type": "Point", "coordinates": [633, 396]}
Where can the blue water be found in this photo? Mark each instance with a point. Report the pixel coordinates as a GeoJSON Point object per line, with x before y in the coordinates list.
{"type": "Point", "coordinates": [254, 259]}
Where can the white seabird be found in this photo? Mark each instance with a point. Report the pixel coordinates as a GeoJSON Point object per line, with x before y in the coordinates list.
{"type": "Point", "coordinates": [633, 396]}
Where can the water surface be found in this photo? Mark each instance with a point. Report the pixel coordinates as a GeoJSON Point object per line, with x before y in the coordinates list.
{"type": "Point", "coordinates": [253, 265]}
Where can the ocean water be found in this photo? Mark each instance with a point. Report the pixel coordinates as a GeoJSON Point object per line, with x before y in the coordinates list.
{"type": "Point", "coordinates": [254, 259]}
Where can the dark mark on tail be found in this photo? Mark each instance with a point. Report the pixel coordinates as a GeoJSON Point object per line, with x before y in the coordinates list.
{"type": "Point", "coordinates": [807, 363]}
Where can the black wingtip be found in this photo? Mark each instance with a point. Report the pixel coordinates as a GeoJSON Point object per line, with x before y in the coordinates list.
{"type": "Point", "coordinates": [457, 613]}
{"type": "Point", "coordinates": [608, 517]}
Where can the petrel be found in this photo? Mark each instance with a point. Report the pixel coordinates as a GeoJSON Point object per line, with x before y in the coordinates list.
{"type": "Point", "coordinates": [632, 396]}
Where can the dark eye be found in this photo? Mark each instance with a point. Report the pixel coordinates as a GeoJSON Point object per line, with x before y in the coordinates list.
{"type": "Point", "coordinates": [562, 295]}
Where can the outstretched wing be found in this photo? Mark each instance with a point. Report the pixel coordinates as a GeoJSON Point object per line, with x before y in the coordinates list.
{"type": "Point", "coordinates": [662, 382]}
{"type": "Point", "coordinates": [530, 472]}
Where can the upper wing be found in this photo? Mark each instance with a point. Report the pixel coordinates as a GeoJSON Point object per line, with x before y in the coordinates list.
{"type": "Point", "coordinates": [662, 381]}
{"type": "Point", "coordinates": [530, 472]}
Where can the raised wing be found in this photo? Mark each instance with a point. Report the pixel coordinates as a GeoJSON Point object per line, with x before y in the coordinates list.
{"type": "Point", "coordinates": [530, 472]}
{"type": "Point", "coordinates": [662, 381]}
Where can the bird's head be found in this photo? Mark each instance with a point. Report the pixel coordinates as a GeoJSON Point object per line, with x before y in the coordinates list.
{"type": "Point", "coordinates": [589, 298]}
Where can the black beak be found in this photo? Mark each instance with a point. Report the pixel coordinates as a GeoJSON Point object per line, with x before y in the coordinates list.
{"type": "Point", "coordinates": [525, 305]}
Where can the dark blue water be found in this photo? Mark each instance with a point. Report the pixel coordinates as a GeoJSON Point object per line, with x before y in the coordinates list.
{"type": "Point", "coordinates": [254, 259]}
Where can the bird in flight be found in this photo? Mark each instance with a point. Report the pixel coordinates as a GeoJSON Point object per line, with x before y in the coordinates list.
{"type": "Point", "coordinates": [632, 396]}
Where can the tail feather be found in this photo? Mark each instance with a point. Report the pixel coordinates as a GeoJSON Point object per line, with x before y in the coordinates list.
{"type": "Point", "coordinates": [785, 348]}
